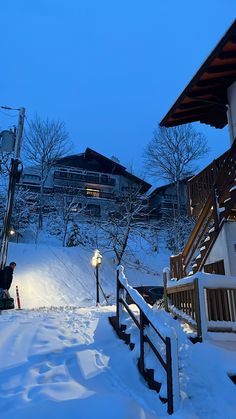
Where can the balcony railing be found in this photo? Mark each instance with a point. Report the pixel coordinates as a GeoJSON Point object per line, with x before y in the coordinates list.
{"type": "Point", "coordinates": [86, 178]}
{"type": "Point", "coordinates": [83, 192]}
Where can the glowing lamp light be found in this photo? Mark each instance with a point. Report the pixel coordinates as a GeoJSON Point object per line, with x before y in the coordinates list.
{"type": "Point", "coordinates": [12, 232]}
{"type": "Point", "coordinates": [96, 259]}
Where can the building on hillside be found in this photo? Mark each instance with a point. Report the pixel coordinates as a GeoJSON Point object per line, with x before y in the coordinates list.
{"type": "Point", "coordinates": [207, 300]}
{"type": "Point", "coordinates": [163, 201]}
{"type": "Point", "coordinates": [94, 178]}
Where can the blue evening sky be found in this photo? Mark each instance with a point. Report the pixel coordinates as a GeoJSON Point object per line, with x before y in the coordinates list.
{"type": "Point", "coordinates": [110, 69]}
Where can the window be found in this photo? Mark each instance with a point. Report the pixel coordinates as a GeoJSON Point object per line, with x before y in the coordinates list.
{"type": "Point", "coordinates": [93, 192]}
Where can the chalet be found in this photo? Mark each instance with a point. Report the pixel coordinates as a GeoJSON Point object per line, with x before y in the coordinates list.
{"type": "Point", "coordinates": [163, 200]}
{"type": "Point", "coordinates": [209, 98]}
{"type": "Point", "coordinates": [96, 178]}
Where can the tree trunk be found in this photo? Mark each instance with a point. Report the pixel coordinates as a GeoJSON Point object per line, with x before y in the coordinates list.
{"type": "Point", "coordinates": [40, 219]}
{"type": "Point", "coordinates": [65, 233]}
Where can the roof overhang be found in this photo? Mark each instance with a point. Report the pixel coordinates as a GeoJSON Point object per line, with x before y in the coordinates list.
{"type": "Point", "coordinates": [205, 97]}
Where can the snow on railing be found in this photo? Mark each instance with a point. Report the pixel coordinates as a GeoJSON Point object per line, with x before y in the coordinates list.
{"type": "Point", "coordinates": [150, 330]}
{"type": "Point", "coordinates": [207, 302]}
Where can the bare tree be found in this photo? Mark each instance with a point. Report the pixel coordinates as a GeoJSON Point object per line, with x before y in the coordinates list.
{"type": "Point", "coordinates": [172, 153]}
{"type": "Point", "coordinates": [23, 210]}
{"type": "Point", "coordinates": [67, 207]}
{"type": "Point", "coordinates": [129, 219]}
{"type": "Point", "coordinates": [45, 141]}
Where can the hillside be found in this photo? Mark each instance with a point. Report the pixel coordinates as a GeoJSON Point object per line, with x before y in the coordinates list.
{"type": "Point", "coordinates": [50, 275]}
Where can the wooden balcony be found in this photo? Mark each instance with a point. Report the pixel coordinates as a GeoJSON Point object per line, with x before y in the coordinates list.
{"type": "Point", "coordinates": [93, 178]}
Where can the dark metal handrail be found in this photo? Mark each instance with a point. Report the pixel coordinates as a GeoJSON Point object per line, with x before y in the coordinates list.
{"type": "Point", "coordinates": [142, 323]}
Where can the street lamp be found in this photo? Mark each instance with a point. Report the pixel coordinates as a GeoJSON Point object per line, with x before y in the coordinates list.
{"type": "Point", "coordinates": [12, 232]}
{"type": "Point", "coordinates": [96, 262]}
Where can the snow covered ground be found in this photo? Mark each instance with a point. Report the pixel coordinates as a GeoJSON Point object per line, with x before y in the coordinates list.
{"type": "Point", "coordinates": [59, 355]}
{"type": "Point", "coordinates": [68, 363]}
{"type": "Point", "coordinates": [50, 275]}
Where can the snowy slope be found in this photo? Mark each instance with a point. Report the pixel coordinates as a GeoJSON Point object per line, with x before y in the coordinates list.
{"type": "Point", "coordinates": [49, 275]}
{"type": "Point", "coordinates": [55, 276]}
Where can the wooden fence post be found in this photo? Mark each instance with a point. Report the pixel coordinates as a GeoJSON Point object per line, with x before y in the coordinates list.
{"type": "Point", "coordinates": [169, 376]}
{"type": "Point", "coordinates": [197, 307]}
{"type": "Point", "coordinates": [141, 359]}
{"type": "Point", "coordinates": [118, 288]}
{"type": "Point", "coordinates": [165, 291]}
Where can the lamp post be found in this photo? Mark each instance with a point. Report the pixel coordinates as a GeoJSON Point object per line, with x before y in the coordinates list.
{"type": "Point", "coordinates": [96, 262]}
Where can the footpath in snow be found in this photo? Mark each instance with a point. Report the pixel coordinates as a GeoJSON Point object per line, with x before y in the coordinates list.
{"type": "Point", "coordinates": [68, 363]}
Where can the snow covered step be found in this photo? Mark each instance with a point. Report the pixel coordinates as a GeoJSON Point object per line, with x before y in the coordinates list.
{"type": "Point", "coordinates": [148, 375]}
{"type": "Point", "coordinates": [121, 332]}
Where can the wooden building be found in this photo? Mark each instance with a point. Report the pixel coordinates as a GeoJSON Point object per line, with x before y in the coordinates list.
{"type": "Point", "coordinates": [210, 98]}
{"type": "Point", "coordinates": [201, 296]}
{"type": "Point", "coordinates": [95, 179]}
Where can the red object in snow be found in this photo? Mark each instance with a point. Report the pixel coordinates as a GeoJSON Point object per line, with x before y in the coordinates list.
{"type": "Point", "coordinates": [18, 298]}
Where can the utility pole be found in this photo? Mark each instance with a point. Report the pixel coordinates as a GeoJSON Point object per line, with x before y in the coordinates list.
{"type": "Point", "coordinates": [13, 179]}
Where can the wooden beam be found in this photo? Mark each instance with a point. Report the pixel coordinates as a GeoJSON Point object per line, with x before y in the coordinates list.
{"type": "Point", "coordinates": [205, 92]}
{"type": "Point", "coordinates": [183, 114]}
{"type": "Point", "coordinates": [194, 104]}
{"type": "Point", "coordinates": [213, 69]}
{"type": "Point", "coordinates": [181, 121]}
{"type": "Point", "coordinates": [214, 81]}
{"type": "Point", "coordinates": [224, 55]}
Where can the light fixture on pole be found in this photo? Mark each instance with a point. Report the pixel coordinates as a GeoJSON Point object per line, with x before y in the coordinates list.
{"type": "Point", "coordinates": [96, 262]}
{"type": "Point", "coordinates": [12, 232]}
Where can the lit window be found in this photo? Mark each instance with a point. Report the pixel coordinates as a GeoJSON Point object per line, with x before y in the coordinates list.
{"type": "Point", "coordinates": [93, 192]}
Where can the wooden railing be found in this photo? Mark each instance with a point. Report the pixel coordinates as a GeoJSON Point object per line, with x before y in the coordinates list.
{"type": "Point", "coordinates": [184, 298]}
{"type": "Point", "coordinates": [201, 185]}
{"type": "Point", "coordinates": [221, 307]}
{"type": "Point", "coordinates": [180, 263]}
{"type": "Point", "coordinates": [207, 304]}
{"type": "Point", "coordinates": [144, 323]}
{"type": "Point", "coordinates": [223, 172]}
